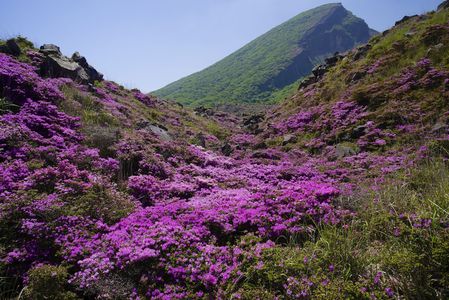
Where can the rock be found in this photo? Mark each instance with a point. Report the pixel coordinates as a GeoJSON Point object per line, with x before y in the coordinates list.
{"type": "Point", "coordinates": [410, 34]}
{"type": "Point", "coordinates": [226, 149]}
{"type": "Point", "coordinates": [54, 66]}
{"type": "Point", "coordinates": [307, 81]}
{"type": "Point", "coordinates": [404, 19]}
{"type": "Point", "coordinates": [319, 71]}
{"type": "Point", "coordinates": [93, 74]}
{"type": "Point", "coordinates": [443, 5]}
{"type": "Point", "coordinates": [160, 132]}
{"type": "Point", "coordinates": [49, 49]}
{"type": "Point", "coordinates": [157, 129]}
{"type": "Point", "coordinates": [57, 65]}
{"type": "Point", "coordinates": [356, 76]}
{"type": "Point", "coordinates": [201, 139]}
{"type": "Point", "coordinates": [434, 49]}
{"type": "Point", "coordinates": [358, 131]}
{"type": "Point", "coordinates": [439, 128]}
{"type": "Point", "coordinates": [14, 48]}
{"type": "Point", "coordinates": [343, 151]}
{"type": "Point", "coordinates": [252, 123]}
{"type": "Point", "coordinates": [288, 139]}
{"type": "Point", "coordinates": [361, 51]}
{"type": "Point", "coordinates": [332, 61]}
{"type": "Point", "coordinates": [203, 111]}
{"type": "Point", "coordinates": [260, 145]}
{"type": "Point", "coordinates": [11, 47]}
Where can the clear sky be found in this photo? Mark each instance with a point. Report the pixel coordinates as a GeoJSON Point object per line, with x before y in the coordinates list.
{"type": "Point", "coordinates": [150, 43]}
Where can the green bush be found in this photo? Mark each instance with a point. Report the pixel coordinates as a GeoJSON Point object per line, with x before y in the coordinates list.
{"type": "Point", "coordinates": [48, 282]}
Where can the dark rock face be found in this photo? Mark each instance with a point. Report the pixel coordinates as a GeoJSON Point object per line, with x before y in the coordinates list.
{"type": "Point", "coordinates": [227, 150]}
{"type": "Point", "coordinates": [322, 40]}
{"type": "Point", "coordinates": [57, 65]}
{"type": "Point", "coordinates": [444, 5]}
{"type": "Point", "coordinates": [252, 123]}
{"type": "Point", "coordinates": [11, 47]}
{"type": "Point", "coordinates": [319, 71]}
{"type": "Point", "coordinates": [404, 19]}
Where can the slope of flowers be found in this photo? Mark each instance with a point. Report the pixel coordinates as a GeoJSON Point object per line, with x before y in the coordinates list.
{"type": "Point", "coordinates": [107, 193]}
{"type": "Point", "coordinates": [181, 221]}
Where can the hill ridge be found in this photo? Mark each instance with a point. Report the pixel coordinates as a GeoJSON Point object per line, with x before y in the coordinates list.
{"type": "Point", "coordinates": [267, 63]}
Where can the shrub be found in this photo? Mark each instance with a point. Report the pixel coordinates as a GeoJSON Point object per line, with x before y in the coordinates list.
{"type": "Point", "coordinates": [48, 282]}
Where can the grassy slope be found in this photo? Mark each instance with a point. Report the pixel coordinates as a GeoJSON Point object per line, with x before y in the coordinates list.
{"type": "Point", "coordinates": [400, 233]}
{"type": "Point", "coordinates": [240, 76]}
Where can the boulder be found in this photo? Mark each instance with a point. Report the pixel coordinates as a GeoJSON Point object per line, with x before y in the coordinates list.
{"type": "Point", "coordinates": [11, 47]}
{"type": "Point", "coordinates": [226, 149]}
{"type": "Point", "coordinates": [361, 51]}
{"type": "Point", "coordinates": [307, 81]}
{"type": "Point", "coordinates": [57, 65]}
{"type": "Point", "coordinates": [319, 71]}
{"type": "Point", "coordinates": [48, 49]}
{"type": "Point", "coordinates": [358, 131]}
{"type": "Point", "coordinates": [159, 130]}
{"type": "Point", "coordinates": [343, 151]}
{"type": "Point", "coordinates": [251, 123]}
{"type": "Point", "coordinates": [289, 139]}
{"type": "Point", "coordinates": [93, 74]}
{"type": "Point", "coordinates": [54, 66]}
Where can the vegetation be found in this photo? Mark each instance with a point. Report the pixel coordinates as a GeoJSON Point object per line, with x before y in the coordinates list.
{"type": "Point", "coordinates": [273, 61]}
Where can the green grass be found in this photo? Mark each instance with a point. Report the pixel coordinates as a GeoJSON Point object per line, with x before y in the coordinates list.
{"type": "Point", "coordinates": [381, 239]}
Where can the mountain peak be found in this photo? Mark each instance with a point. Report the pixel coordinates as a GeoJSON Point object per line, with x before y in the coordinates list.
{"type": "Point", "coordinates": [274, 62]}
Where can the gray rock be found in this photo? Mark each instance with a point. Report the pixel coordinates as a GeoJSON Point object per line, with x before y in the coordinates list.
{"type": "Point", "coordinates": [160, 132]}
{"type": "Point", "coordinates": [157, 129]}
{"type": "Point", "coordinates": [48, 49]}
{"type": "Point", "coordinates": [343, 151]}
{"type": "Point", "coordinates": [60, 66]}
{"type": "Point", "coordinates": [57, 65]}
{"type": "Point", "coordinates": [289, 139]}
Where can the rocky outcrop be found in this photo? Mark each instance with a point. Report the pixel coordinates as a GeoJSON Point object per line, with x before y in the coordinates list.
{"type": "Point", "coordinates": [11, 47]}
{"type": "Point", "coordinates": [444, 5]}
{"type": "Point", "coordinates": [56, 65]}
{"type": "Point", "coordinates": [252, 123]}
{"type": "Point", "coordinates": [319, 71]}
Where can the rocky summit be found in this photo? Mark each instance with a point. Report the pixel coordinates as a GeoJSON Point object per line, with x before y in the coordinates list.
{"type": "Point", "coordinates": [270, 66]}
{"type": "Point", "coordinates": [338, 192]}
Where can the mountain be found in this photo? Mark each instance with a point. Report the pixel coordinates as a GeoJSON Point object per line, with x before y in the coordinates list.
{"type": "Point", "coordinates": [274, 61]}
{"type": "Point", "coordinates": [338, 192]}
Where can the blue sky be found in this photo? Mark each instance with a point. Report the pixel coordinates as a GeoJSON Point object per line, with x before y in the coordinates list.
{"type": "Point", "coordinates": [150, 43]}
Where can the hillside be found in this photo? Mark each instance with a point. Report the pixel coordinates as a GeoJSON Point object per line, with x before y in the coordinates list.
{"type": "Point", "coordinates": [338, 192]}
{"type": "Point", "coordinates": [274, 61]}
